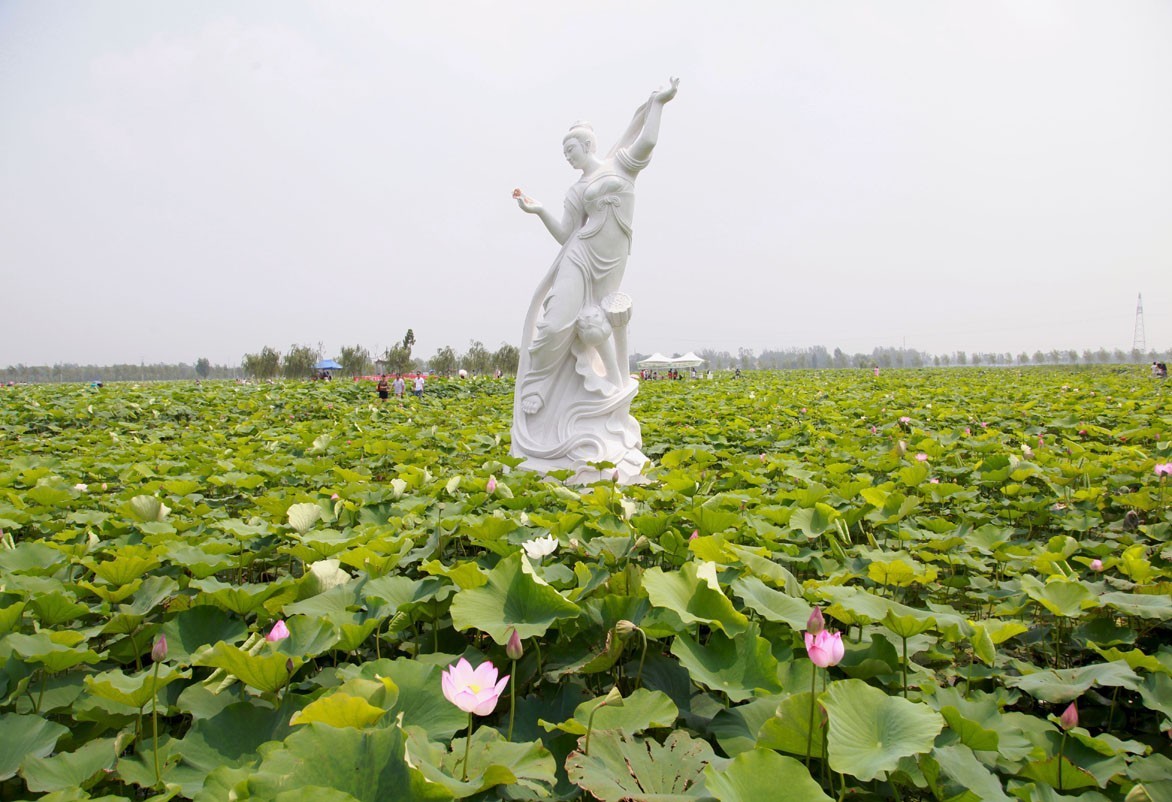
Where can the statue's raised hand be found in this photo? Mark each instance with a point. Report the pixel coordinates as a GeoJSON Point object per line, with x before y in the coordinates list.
{"type": "Point", "coordinates": [526, 203]}
{"type": "Point", "coordinates": [662, 96]}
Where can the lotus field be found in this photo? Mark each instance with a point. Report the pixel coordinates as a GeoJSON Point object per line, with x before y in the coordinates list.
{"type": "Point", "coordinates": [942, 584]}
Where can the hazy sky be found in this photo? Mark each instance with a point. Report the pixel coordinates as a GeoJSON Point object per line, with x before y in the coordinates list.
{"type": "Point", "coordinates": [187, 179]}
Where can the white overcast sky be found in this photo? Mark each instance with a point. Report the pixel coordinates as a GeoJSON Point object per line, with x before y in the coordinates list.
{"type": "Point", "coordinates": [187, 179]}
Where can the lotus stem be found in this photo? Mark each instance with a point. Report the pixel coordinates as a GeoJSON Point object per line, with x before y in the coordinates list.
{"type": "Point", "coordinates": [642, 657]}
{"type": "Point", "coordinates": [810, 728]}
{"type": "Point", "coordinates": [467, 749]}
{"type": "Point", "coordinates": [155, 724]}
{"type": "Point", "coordinates": [512, 699]}
{"type": "Point", "coordinates": [904, 667]}
{"type": "Point", "coordinates": [1061, 754]}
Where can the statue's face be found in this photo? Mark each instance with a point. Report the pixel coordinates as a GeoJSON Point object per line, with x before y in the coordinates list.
{"type": "Point", "coordinates": [575, 153]}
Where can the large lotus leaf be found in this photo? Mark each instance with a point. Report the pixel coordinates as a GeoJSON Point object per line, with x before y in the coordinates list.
{"type": "Point", "coordinates": [243, 599]}
{"type": "Point", "coordinates": [53, 649]}
{"type": "Point", "coordinates": [770, 604]}
{"type": "Point", "coordinates": [1067, 684]}
{"type": "Point", "coordinates": [1157, 694]}
{"type": "Point", "coordinates": [788, 729]}
{"type": "Point", "coordinates": [370, 765]}
{"type": "Point", "coordinates": [268, 672]}
{"type": "Point", "coordinates": [766, 569]}
{"type": "Point", "coordinates": [969, 732]}
{"type": "Point", "coordinates": [870, 731]}
{"type": "Point", "coordinates": [70, 769]}
{"type": "Point", "coordinates": [1047, 771]}
{"type": "Point", "coordinates": [308, 637]}
{"type": "Point", "coordinates": [512, 599]}
{"type": "Point", "coordinates": [736, 728]}
{"type": "Point", "coordinates": [25, 736]}
{"type": "Point", "coordinates": [339, 710]}
{"type": "Point", "coordinates": [193, 629]}
{"type": "Point", "coordinates": [528, 768]}
{"type": "Point", "coordinates": [625, 767]}
{"type": "Point", "coordinates": [322, 576]}
{"type": "Point", "coordinates": [961, 765]}
{"type": "Point", "coordinates": [123, 569]}
{"type": "Point", "coordinates": [761, 774]}
{"type": "Point", "coordinates": [693, 593]}
{"type": "Point", "coordinates": [1138, 604]}
{"type": "Point", "coordinates": [10, 617]}
{"type": "Point", "coordinates": [54, 609]}
{"type": "Point", "coordinates": [132, 690]}
{"type": "Point", "coordinates": [302, 517]}
{"type": "Point", "coordinates": [813, 521]}
{"type": "Point", "coordinates": [1068, 598]}
{"type": "Point", "coordinates": [146, 509]}
{"type": "Point", "coordinates": [640, 710]}
{"type": "Point", "coordinates": [399, 592]}
{"type": "Point", "coordinates": [739, 667]}
{"type": "Point", "coordinates": [421, 700]}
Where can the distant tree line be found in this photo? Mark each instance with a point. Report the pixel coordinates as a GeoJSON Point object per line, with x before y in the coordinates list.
{"type": "Point", "coordinates": [298, 362]}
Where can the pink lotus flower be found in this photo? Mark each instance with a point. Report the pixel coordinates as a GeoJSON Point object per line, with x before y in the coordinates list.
{"type": "Point", "coordinates": [921, 457]}
{"type": "Point", "coordinates": [905, 419]}
{"type": "Point", "coordinates": [473, 690]}
{"type": "Point", "coordinates": [1164, 469]}
{"type": "Point", "coordinates": [967, 431]}
{"type": "Point", "coordinates": [334, 497]}
{"type": "Point", "coordinates": [762, 457]}
{"type": "Point", "coordinates": [490, 485]}
{"type": "Point", "coordinates": [1069, 717]}
{"type": "Point", "coordinates": [934, 481]}
{"type": "Point", "coordinates": [1096, 565]}
{"type": "Point", "coordinates": [825, 648]}
{"type": "Point", "coordinates": [874, 430]}
{"type": "Point", "coordinates": [278, 633]}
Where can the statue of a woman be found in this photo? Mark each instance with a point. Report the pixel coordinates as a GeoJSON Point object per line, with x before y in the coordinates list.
{"type": "Point", "coordinates": [574, 391]}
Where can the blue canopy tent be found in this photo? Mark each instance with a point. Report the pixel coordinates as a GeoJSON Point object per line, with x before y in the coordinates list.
{"type": "Point", "coordinates": [327, 364]}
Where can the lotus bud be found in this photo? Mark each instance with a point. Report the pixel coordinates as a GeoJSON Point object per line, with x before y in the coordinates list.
{"type": "Point", "coordinates": [289, 666]}
{"type": "Point", "coordinates": [513, 648]}
{"type": "Point", "coordinates": [490, 485]}
{"type": "Point", "coordinates": [614, 477]}
{"type": "Point", "coordinates": [901, 447]}
{"type": "Point", "coordinates": [695, 534]}
{"type": "Point", "coordinates": [625, 627]}
{"type": "Point", "coordinates": [1096, 565]}
{"type": "Point", "coordinates": [641, 542]}
{"type": "Point", "coordinates": [816, 622]}
{"type": "Point", "coordinates": [1069, 717]}
{"type": "Point", "coordinates": [159, 650]}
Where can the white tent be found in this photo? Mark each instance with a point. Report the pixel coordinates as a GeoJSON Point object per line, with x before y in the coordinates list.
{"type": "Point", "coordinates": [658, 360]}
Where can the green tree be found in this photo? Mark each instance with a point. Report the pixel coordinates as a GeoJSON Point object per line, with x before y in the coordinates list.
{"type": "Point", "coordinates": [355, 360]}
{"type": "Point", "coordinates": [445, 362]}
{"type": "Point", "coordinates": [265, 365]}
{"type": "Point", "coordinates": [203, 367]}
{"type": "Point", "coordinates": [299, 362]}
{"type": "Point", "coordinates": [506, 358]}
{"type": "Point", "coordinates": [397, 359]}
{"type": "Point", "coordinates": [478, 360]}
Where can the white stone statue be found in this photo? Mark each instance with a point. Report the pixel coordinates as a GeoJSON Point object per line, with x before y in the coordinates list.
{"type": "Point", "coordinates": [574, 390]}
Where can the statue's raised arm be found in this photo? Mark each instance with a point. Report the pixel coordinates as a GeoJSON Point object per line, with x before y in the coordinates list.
{"type": "Point", "coordinates": [643, 132]}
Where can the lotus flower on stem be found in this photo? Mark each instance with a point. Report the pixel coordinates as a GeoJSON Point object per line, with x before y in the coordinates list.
{"type": "Point", "coordinates": [473, 690]}
{"type": "Point", "coordinates": [825, 649]}
{"type": "Point", "coordinates": [278, 633]}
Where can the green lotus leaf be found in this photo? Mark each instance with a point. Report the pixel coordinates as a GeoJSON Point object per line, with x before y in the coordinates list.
{"type": "Point", "coordinates": [870, 731]}
{"type": "Point", "coordinates": [322, 575]}
{"type": "Point", "coordinates": [266, 672]}
{"type": "Point", "coordinates": [512, 599]}
{"type": "Point", "coordinates": [907, 626]}
{"type": "Point", "coordinates": [192, 630]}
{"type": "Point", "coordinates": [970, 733]}
{"type": "Point", "coordinates": [24, 737]}
{"type": "Point", "coordinates": [132, 690]}
{"type": "Point", "coordinates": [147, 508]}
{"type": "Point", "coordinates": [736, 728]}
{"type": "Point", "coordinates": [639, 711]}
{"type": "Point", "coordinates": [1137, 604]}
{"type": "Point", "coordinates": [740, 667]}
{"type": "Point", "coordinates": [55, 609]}
{"type": "Point", "coordinates": [770, 604]}
{"type": "Point", "coordinates": [1062, 597]}
{"type": "Point", "coordinates": [370, 765]}
{"type": "Point", "coordinates": [122, 570]}
{"type": "Point", "coordinates": [1067, 684]}
{"type": "Point", "coordinates": [1047, 771]}
{"type": "Point", "coordinates": [302, 517]}
{"type": "Point", "coordinates": [693, 593]}
{"type": "Point", "coordinates": [625, 767]}
{"type": "Point", "coordinates": [232, 736]}
{"type": "Point", "coordinates": [788, 729]}
{"type": "Point", "coordinates": [339, 710]}
{"type": "Point", "coordinates": [10, 617]}
{"type": "Point", "coordinates": [53, 649]}
{"type": "Point", "coordinates": [527, 769]}
{"type": "Point", "coordinates": [65, 770]}
{"type": "Point", "coordinates": [760, 774]}
{"type": "Point", "coordinates": [420, 701]}
{"type": "Point", "coordinates": [814, 521]}
{"type": "Point", "coordinates": [970, 774]}
{"type": "Point", "coordinates": [243, 599]}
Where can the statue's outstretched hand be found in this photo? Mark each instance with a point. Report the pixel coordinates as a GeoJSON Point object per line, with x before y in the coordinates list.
{"type": "Point", "coordinates": [526, 203]}
{"type": "Point", "coordinates": [664, 95]}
